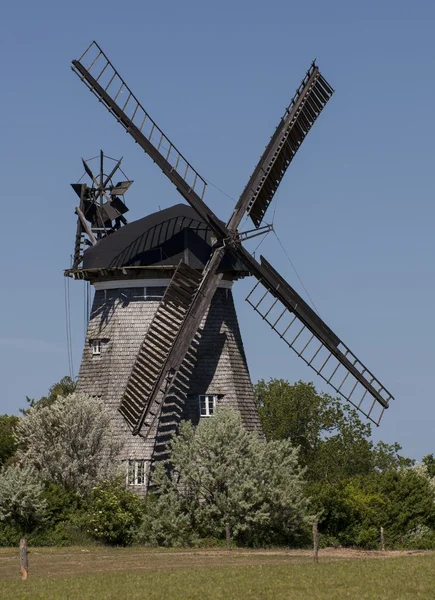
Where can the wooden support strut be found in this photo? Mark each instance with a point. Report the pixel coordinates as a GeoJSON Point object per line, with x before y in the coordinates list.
{"type": "Point", "coordinates": [85, 224]}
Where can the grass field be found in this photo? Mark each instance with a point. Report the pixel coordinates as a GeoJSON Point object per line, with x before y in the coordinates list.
{"type": "Point", "coordinates": [67, 573]}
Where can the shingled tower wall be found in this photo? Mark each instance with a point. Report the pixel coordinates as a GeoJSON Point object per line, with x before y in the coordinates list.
{"type": "Point", "coordinates": [119, 320]}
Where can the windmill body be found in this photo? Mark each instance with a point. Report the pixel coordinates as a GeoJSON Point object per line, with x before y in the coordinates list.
{"type": "Point", "coordinates": [130, 271]}
{"type": "Point", "coordinates": [163, 341]}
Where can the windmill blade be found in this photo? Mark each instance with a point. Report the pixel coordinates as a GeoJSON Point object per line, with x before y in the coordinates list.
{"type": "Point", "coordinates": [306, 105]}
{"type": "Point", "coordinates": [309, 336]}
{"type": "Point", "coordinates": [168, 340]}
{"type": "Point", "coordinates": [101, 77]}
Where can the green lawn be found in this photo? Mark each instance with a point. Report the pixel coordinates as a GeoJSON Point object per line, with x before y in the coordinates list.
{"type": "Point", "coordinates": [136, 573]}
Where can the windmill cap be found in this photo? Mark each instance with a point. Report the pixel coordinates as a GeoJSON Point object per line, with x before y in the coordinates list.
{"type": "Point", "coordinates": [162, 238]}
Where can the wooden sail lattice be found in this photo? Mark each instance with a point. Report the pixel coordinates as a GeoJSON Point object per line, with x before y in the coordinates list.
{"type": "Point", "coordinates": [329, 357]}
{"type": "Point", "coordinates": [306, 105]}
{"type": "Point", "coordinates": [156, 346]}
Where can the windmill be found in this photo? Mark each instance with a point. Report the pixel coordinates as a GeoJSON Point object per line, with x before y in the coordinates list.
{"type": "Point", "coordinates": [185, 259]}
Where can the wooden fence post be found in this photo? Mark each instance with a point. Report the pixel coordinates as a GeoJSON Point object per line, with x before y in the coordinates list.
{"type": "Point", "coordinates": [382, 540]}
{"type": "Point", "coordinates": [228, 535]}
{"type": "Point", "coordinates": [315, 542]}
{"type": "Point", "coordinates": [24, 560]}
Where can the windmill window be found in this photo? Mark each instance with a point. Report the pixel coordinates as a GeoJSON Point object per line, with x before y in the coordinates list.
{"type": "Point", "coordinates": [207, 405]}
{"type": "Point", "coordinates": [137, 472]}
{"type": "Point", "coordinates": [96, 347]}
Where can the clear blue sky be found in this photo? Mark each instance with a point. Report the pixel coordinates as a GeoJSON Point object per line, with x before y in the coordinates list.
{"type": "Point", "coordinates": [355, 211]}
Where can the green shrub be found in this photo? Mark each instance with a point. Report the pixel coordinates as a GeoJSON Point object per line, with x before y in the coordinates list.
{"type": "Point", "coordinates": [8, 440]}
{"type": "Point", "coordinates": [328, 541]}
{"type": "Point", "coordinates": [164, 522]}
{"type": "Point", "coordinates": [112, 514]}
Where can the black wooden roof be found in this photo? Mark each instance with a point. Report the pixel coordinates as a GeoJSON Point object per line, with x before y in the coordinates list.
{"type": "Point", "coordinates": [162, 238]}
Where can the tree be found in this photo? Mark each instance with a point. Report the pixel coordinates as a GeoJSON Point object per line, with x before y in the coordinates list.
{"type": "Point", "coordinates": [21, 496]}
{"type": "Point", "coordinates": [386, 457]}
{"type": "Point", "coordinates": [62, 388]}
{"type": "Point", "coordinates": [70, 442]}
{"type": "Point", "coordinates": [334, 442]}
{"type": "Point", "coordinates": [8, 440]}
{"type": "Point", "coordinates": [352, 511]}
{"type": "Point", "coordinates": [429, 462]}
{"type": "Point", "coordinates": [219, 473]}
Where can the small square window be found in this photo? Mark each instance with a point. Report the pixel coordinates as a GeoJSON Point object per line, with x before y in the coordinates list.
{"type": "Point", "coordinates": [207, 405]}
{"type": "Point", "coordinates": [137, 472]}
{"type": "Point", "coordinates": [96, 347]}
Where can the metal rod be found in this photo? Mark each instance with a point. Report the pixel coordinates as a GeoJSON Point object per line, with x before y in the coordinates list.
{"type": "Point", "coordinates": [104, 68]}
{"type": "Point", "coordinates": [264, 316]}
{"type": "Point", "coordinates": [262, 298]}
{"type": "Point", "coordinates": [380, 416]}
{"type": "Point", "coordinates": [360, 402]}
{"type": "Point", "coordinates": [267, 229]}
{"type": "Point", "coordinates": [280, 316]}
{"type": "Point", "coordinates": [127, 101]}
{"type": "Point", "coordinates": [306, 345]}
{"type": "Point", "coordinates": [101, 177]}
{"type": "Point", "coordinates": [87, 50]}
{"type": "Point", "coordinates": [324, 364]}
{"type": "Point", "coordinates": [95, 60]}
{"type": "Point", "coordinates": [298, 335]}
{"type": "Point", "coordinates": [135, 111]}
{"type": "Point", "coordinates": [315, 354]}
{"type": "Point", "coordinates": [253, 290]}
{"type": "Point", "coordinates": [122, 85]}
{"type": "Point", "coordinates": [111, 174]}
{"type": "Point", "coordinates": [345, 377]}
{"type": "Point", "coordinates": [178, 160]}
{"type": "Point", "coordinates": [110, 82]}
{"type": "Point", "coordinates": [287, 328]}
{"type": "Point", "coordinates": [143, 122]}
{"type": "Point", "coordinates": [372, 406]}
{"type": "Point", "coordinates": [334, 372]}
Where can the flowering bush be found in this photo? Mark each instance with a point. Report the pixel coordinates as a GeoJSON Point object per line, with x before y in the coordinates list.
{"type": "Point", "coordinates": [70, 442]}
{"type": "Point", "coordinates": [112, 514]}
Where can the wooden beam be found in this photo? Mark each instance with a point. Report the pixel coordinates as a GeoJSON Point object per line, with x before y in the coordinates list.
{"type": "Point", "coordinates": [85, 224]}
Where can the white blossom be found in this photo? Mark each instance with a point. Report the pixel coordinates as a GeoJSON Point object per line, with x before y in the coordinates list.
{"type": "Point", "coordinates": [21, 494]}
{"type": "Point", "coordinates": [71, 442]}
{"type": "Point", "coordinates": [423, 471]}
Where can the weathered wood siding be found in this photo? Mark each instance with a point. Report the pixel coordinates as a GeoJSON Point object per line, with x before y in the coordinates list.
{"type": "Point", "coordinates": [217, 365]}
